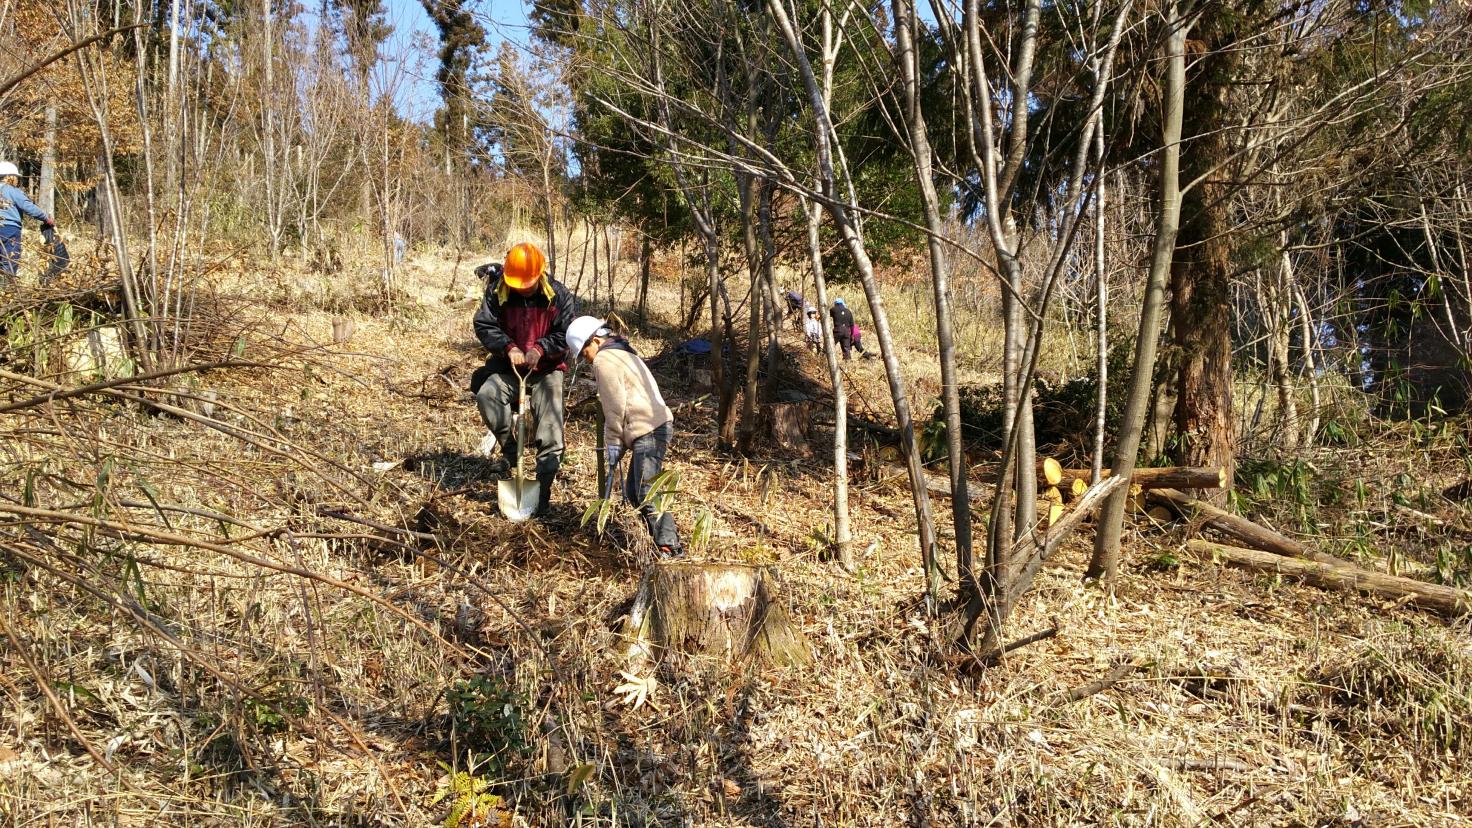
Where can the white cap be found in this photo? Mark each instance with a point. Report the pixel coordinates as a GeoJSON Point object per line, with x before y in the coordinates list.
{"type": "Point", "coordinates": [8, 168]}
{"type": "Point", "coordinates": [580, 331]}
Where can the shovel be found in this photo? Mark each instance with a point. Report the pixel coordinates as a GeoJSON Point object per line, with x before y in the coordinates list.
{"type": "Point", "coordinates": [519, 496]}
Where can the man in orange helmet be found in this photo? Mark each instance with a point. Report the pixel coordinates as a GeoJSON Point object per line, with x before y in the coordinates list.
{"type": "Point", "coordinates": [522, 322]}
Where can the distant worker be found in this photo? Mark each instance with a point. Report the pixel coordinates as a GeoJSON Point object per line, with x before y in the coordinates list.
{"type": "Point", "coordinates": [794, 302]}
{"type": "Point", "coordinates": [13, 202]}
{"type": "Point", "coordinates": [812, 330]}
{"type": "Point", "coordinates": [636, 421]}
{"type": "Point", "coordinates": [843, 325]}
{"type": "Point", "coordinates": [522, 322]}
{"type": "Point", "coordinates": [858, 337]}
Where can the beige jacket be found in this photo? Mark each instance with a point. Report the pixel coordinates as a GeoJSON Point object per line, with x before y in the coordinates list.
{"type": "Point", "coordinates": [632, 405]}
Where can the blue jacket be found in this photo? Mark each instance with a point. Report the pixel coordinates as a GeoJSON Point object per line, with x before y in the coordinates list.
{"type": "Point", "coordinates": [13, 202]}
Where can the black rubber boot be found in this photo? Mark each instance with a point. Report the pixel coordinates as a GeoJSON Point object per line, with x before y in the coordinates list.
{"type": "Point", "coordinates": [544, 493]}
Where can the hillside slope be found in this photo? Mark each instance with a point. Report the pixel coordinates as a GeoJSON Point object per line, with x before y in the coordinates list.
{"type": "Point", "coordinates": [233, 691]}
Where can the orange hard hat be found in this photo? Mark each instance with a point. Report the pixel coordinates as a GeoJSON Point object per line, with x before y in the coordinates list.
{"type": "Point", "coordinates": [524, 266]}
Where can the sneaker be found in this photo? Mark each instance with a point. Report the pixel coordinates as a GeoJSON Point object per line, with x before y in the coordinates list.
{"type": "Point", "coordinates": [499, 467]}
{"type": "Point", "coordinates": [668, 552]}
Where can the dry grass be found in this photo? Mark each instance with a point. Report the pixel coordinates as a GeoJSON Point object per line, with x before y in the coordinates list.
{"type": "Point", "coordinates": [294, 701]}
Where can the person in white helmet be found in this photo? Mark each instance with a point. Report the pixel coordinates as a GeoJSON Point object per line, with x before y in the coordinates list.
{"type": "Point", "coordinates": [635, 420]}
{"type": "Point", "coordinates": [14, 203]}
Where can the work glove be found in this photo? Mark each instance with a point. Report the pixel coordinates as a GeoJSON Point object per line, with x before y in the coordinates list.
{"type": "Point", "coordinates": [490, 272]}
{"type": "Point", "coordinates": [533, 356]}
{"type": "Point", "coordinates": [613, 452]}
{"type": "Point", "coordinates": [49, 223]}
{"type": "Point", "coordinates": [518, 359]}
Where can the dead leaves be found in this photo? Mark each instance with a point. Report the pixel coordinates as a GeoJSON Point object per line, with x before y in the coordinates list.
{"type": "Point", "coordinates": [636, 691]}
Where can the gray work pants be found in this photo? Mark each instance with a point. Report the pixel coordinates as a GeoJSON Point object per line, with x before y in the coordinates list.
{"type": "Point", "coordinates": [497, 399]}
{"type": "Point", "coordinates": [646, 459]}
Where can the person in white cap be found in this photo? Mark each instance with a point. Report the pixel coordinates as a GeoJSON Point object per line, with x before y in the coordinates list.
{"type": "Point", "coordinates": [812, 330]}
{"type": "Point", "coordinates": [13, 202]}
{"type": "Point", "coordinates": [635, 420]}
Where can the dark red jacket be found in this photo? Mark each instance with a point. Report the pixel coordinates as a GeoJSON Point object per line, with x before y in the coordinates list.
{"type": "Point", "coordinates": [507, 318]}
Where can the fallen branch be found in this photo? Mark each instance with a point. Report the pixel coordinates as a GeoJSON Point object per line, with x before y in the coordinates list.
{"type": "Point", "coordinates": [1213, 764]}
{"type": "Point", "coordinates": [44, 683]}
{"type": "Point", "coordinates": [1241, 529]}
{"type": "Point", "coordinates": [1168, 477]}
{"type": "Point", "coordinates": [991, 659]}
{"type": "Point", "coordinates": [1432, 520]}
{"type": "Point", "coordinates": [1054, 535]}
{"type": "Point", "coordinates": [1444, 600]}
{"type": "Point", "coordinates": [1110, 679]}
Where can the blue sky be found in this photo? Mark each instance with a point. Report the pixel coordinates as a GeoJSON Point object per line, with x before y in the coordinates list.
{"type": "Point", "coordinates": [418, 98]}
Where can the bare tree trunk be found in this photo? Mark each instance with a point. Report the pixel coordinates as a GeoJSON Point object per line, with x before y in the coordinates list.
{"type": "Point", "coordinates": [1279, 300]}
{"type": "Point", "coordinates": [770, 297]}
{"type": "Point", "coordinates": [1310, 364]}
{"type": "Point", "coordinates": [1105, 562]}
{"type": "Point", "coordinates": [839, 210]}
{"type": "Point", "coordinates": [842, 539]}
{"type": "Point", "coordinates": [746, 185]}
{"type": "Point", "coordinates": [268, 171]}
{"type": "Point", "coordinates": [1101, 304]}
{"type": "Point", "coordinates": [908, 58]}
{"type": "Point", "coordinates": [46, 196]}
{"type": "Point", "coordinates": [1200, 313]}
{"type": "Point", "coordinates": [646, 255]}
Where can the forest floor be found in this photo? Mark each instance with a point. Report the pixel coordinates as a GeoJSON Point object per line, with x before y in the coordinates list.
{"type": "Point", "coordinates": [1254, 701]}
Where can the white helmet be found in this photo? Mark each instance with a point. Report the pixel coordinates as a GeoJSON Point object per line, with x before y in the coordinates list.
{"type": "Point", "coordinates": [8, 168]}
{"type": "Point", "coordinates": [580, 331]}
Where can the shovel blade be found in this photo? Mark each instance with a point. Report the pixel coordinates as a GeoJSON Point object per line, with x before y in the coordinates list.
{"type": "Point", "coordinates": [518, 498]}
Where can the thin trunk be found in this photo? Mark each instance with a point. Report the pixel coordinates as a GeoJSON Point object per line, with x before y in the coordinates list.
{"type": "Point", "coordinates": [747, 433]}
{"type": "Point", "coordinates": [1279, 300]}
{"type": "Point", "coordinates": [839, 210]}
{"type": "Point", "coordinates": [46, 196]}
{"type": "Point", "coordinates": [646, 255]}
{"type": "Point", "coordinates": [549, 210]}
{"type": "Point", "coordinates": [149, 197]}
{"type": "Point", "coordinates": [770, 297]}
{"type": "Point", "coordinates": [268, 165]}
{"type": "Point", "coordinates": [171, 99]}
{"type": "Point", "coordinates": [1310, 365]}
{"type": "Point", "coordinates": [906, 55]}
{"type": "Point", "coordinates": [842, 539]}
{"type": "Point", "coordinates": [1101, 307]}
{"type": "Point", "coordinates": [1105, 562]}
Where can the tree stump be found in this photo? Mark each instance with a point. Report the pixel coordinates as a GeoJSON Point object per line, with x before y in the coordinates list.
{"type": "Point", "coordinates": [787, 423]}
{"type": "Point", "coordinates": [723, 611]}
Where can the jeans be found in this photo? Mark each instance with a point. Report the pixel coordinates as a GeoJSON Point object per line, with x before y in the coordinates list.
{"type": "Point", "coordinates": [497, 399]}
{"type": "Point", "coordinates": [646, 459]}
{"type": "Point", "coordinates": [9, 251]}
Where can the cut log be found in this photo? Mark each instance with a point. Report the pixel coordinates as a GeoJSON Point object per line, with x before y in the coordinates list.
{"type": "Point", "coordinates": [1050, 471]}
{"type": "Point", "coordinates": [787, 423]}
{"type": "Point", "coordinates": [1054, 499]}
{"type": "Point", "coordinates": [1444, 600]}
{"type": "Point", "coordinates": [1241, 529]}
{"type": "Point", "coordinates": [1159, 514]}
{"type": "Point", "coordinates": [1136, 499]}
{"type": "Point", "coordinates": [1078, 486]}
{"type": "Point", "coordinates": [725, 611]}
{"type": "Point", "coordinates": [1167, 477]}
